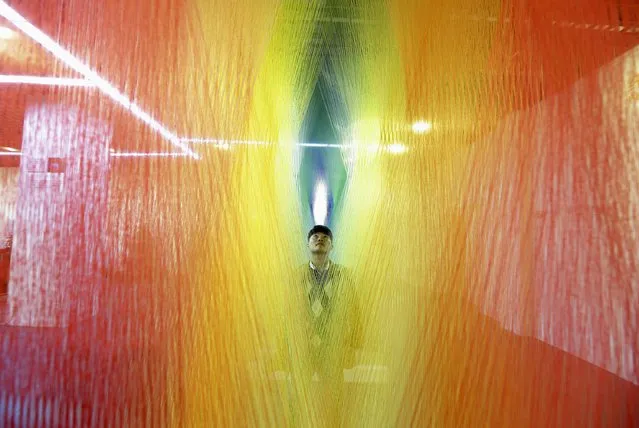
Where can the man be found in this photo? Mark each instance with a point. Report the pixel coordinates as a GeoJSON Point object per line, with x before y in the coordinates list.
{"type": "Point", "coordinates": [332, 308]}
{"type": "Point", "coordinates": [333, 323]}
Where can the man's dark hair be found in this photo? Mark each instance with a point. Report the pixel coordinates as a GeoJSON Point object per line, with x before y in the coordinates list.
{"type": "Point", "coordinates": [320, 229]}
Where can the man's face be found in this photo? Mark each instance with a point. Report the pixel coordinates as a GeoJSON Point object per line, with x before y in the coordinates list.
{"type": "Point", "coordinates": [320, 243]}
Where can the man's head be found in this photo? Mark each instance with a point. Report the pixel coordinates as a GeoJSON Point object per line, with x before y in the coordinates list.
{"type": "Point", "coordinates": [320, 240]}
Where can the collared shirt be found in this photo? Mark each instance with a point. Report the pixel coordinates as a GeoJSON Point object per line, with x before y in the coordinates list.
{"type": "Point", "coordinates": [320, 276]}
{"type": "Point", "coordinates": [328, 265]}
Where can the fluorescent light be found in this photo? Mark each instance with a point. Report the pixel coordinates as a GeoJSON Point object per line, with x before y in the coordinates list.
{"type": "Point", "coordinates": [397, 148]}
{"type": "Point", "coordinates": [222, 142]}
{"type": "Point", "coordinates": [9, 149]}
{"type": "Point", "coordinates": [326, 145]}
{"type": "Point", "coordinates": [148, 155]}
{"type": "Point", "coordinates": [218, 141]}
{"type": "Point", "coordinates": [421, 127]}
{"type": "Point", "coordinates": [316, 145]}
{"type": "Point", "coordinates": [103, 85]}
{"type": "Point", "coordinates": [10, 153]}
{"type": "Point", "coordinates": [320, 203]}
{"type": "Point", "coordinates": [41, 80]}
{"type": "Point", "coordinates": [7, 34]}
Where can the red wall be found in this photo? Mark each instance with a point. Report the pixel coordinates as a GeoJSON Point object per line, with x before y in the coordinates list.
{"type": "Point", "coordinates": [553, 224]}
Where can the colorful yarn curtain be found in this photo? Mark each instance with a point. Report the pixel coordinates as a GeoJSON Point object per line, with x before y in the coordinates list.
{"type": "Point", "coordinates": [478, 162]}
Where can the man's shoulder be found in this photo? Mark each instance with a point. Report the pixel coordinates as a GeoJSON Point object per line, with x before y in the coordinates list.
{"type": "Point", "coordinates": [341, 271]}
{"type": "Point", "coordinates": [339, 268]}
{"type": "Point", "coordinates": [302, 268]}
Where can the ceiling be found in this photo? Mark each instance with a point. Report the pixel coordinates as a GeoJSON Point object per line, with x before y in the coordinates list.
{"type": "Point", "coordinates": [544, 40]}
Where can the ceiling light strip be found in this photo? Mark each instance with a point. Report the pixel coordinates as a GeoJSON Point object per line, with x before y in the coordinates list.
{"type": "Point", "coordinates": [326, 145]}
{"type": "Point", "coordinates": [44, 80]}
{"type": "Point", "coordinates": [148, 155]}
{"type": "Point", "coordinates": [217, 141]}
